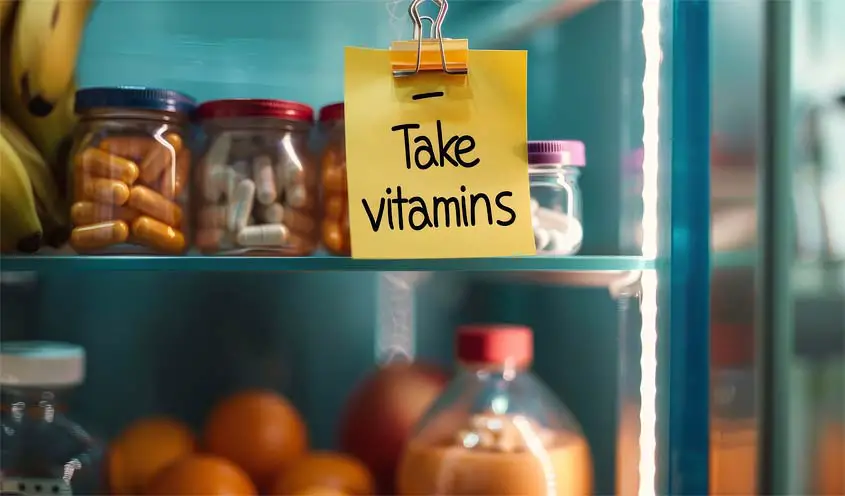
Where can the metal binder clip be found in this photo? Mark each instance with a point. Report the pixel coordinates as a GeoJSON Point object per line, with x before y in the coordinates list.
{"type": "Point", "coordinates": [434, 53]}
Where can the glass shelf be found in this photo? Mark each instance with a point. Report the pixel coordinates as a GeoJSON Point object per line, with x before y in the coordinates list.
{"type": "Point", "coordinates": [326, 264]}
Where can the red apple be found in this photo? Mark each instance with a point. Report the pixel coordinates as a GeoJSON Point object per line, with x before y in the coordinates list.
{"type": "Point", "coordinates": [381, 413]}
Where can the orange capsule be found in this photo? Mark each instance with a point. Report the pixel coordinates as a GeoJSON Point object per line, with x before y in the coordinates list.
{"type": "Point", "coordinates": [334, 239]}
{"type": "Point", "coordinates": [334, 179]}
{"type": "Point", "coordinates": [155, 205]}
{"type": "Point", "coordinates": [100, 163]}
{"type": "Point", "coordinates": [99, 236]}
{"type": "Point", "coordinates": [158, 235]}
{"type": "Point", "coordinates": [161, 156]}
{"type": "Point", "coordinates": [173, 181]}
{"type": "Point", "coordinates": [109, 191]}
{"type": "Point", "coordinates": [335, 206]}
{"type": "Point", "coordinates": [84, 213]}
{"type": "Point", "coordinates": [134, 148]}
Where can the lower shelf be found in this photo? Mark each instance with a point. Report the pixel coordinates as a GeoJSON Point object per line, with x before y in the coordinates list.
{"type": "Point", "coordinates": [318, 263]}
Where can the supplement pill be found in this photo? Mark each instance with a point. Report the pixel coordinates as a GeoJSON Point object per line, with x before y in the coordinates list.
{"type": "Point", "coordinates": [266, 235]}
{"type": "Point", "coordinates": [99, 236]}
{"type": "Point", "coordinates": [134, 148]}
{"type": "Point", "coordinates": [240, 206]}
{"type": "Point", "coordinates": [218, 152]}
{"type": "Point", "coordinates": [160, 157]}
{"type": "Point", "coordinates": [158, 235]}
{"type": "Point", "coordinates": [265, 181]}
{"type": "Point", "coordinates": [272, 214]}
{"type": "Point", "coordinates": [84, 213]}
{"type": "Point", "coordinates": [334, 179]}
{"type": "Point", "coordinates": [155, 205]}
{"type": "Point", "coordinates": [173, 181]}
{"type": "Point", "coordinates": [99, 163]}
{"type": "Point", "coordinates": [109, 191]}
{"type": "Point", "coordinates": [336, 206]}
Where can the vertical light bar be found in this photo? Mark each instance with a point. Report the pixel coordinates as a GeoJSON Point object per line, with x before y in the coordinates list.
{"type": "Point", "coordinates": [647, 469]}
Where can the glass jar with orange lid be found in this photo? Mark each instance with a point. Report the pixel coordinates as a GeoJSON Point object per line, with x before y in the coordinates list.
{"type": "Point", "coordinates": [257, 182]}
{"type": "Point", "coordinates": [335, 225]}
{"type": "Point", "coordinates": [130, 165]}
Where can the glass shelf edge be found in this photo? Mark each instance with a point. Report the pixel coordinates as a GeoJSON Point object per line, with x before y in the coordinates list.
{"type": "Point", "coordinates": [47, 264]}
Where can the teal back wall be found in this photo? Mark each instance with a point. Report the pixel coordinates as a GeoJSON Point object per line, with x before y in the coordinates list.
{"type": "Point", "coordinates": [174, 342]}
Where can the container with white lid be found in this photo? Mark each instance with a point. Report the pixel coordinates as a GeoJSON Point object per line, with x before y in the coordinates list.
{"type": "Point", "coordinates": [41, 450]}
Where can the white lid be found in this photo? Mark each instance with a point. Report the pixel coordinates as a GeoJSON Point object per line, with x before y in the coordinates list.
{"type": "Point", "coordinates": [41, 364]}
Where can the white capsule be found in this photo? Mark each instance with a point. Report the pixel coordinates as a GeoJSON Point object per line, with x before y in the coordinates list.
{"type": "Point", "coordinates": [295, 194]}
{"type": "Point", "coordinates": [541, 238]}
{"type": "Point", "coordinates": [271, 214]}
{"type": "Point", "coordinates": [534, 205]}
{"type": "Point", "coordinates": [212, 181]}
{"type": "Point", "coordinates": [263, 235]}
{"type": "Point", "coordinates": [240, 206]}
{"type": "Point", "coordinates": [265, 181]}
{"type": "Point", "coordinates": [218, 152]}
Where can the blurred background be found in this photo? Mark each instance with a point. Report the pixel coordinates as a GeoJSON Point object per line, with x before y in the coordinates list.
{"type": "Point", "coordinates": [175, 343]}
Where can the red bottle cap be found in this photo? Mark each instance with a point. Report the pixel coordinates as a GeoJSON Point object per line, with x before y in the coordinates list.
{"type": "Point", "coordinates": [495, 344]}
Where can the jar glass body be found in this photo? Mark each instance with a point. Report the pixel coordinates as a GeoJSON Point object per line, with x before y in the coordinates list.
{"type": "Point", "coordinates": [496, 431]}
{"type": "Point", "coordinates": [257, 188]}
{"type": "Point", "coordinates": [556, 209]}
{"type": "Point", "coordinates": [42, 451]}
{"type": "Point", "coordinates": [129, 178]}
{"type": "Point", "coordinates": [335, 225]}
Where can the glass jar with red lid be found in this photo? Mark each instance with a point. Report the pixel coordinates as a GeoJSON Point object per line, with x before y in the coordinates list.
{"type": "Point", "coordinates": [257, 184]}
{"type": "Point", "coordinates": [496, 429]}
{"type": "Point", "coordinates": [335, 225]}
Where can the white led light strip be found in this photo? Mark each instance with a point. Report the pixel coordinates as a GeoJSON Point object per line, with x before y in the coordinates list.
{"type": "Point", "coordinates": [647, 469]}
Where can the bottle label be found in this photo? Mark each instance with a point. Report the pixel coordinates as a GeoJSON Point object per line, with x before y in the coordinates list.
{"type": "Point", "coordinates": [19, 486]}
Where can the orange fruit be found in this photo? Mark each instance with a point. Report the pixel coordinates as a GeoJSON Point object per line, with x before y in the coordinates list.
{"type": "Point", "coordinates": [259, 431]}
{"type": "Point", "coordinates": [325, 471]}
{"type": "Point", "coordinates": [319, 491]}
{"type": "Point", "coordinates": [143, 449]}
{"type": "Point", "coordinates": [202, 475]}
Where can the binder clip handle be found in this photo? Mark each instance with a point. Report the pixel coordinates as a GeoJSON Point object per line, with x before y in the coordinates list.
{"type": "Point", "coordinates": [436, 31]}
{"type": "Point", "coordinates": [429, 53]}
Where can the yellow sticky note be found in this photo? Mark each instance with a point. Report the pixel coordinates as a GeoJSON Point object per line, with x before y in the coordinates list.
{"type": "Point", "coordinates": [437, 164]}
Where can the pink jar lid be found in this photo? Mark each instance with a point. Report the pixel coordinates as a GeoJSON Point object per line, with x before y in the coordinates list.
{"type": "Point", "coordinates": [559, 152]}
{"type": "Point", "coordinates": [495, 344]}
{"type": "Point", "coordinates": [249, 107]}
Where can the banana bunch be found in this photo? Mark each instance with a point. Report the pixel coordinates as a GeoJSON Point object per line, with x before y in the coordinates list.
{"type": "Point", "coordinates": [38, 56]}
{"type": "Point", "coordinates": [31, 210]}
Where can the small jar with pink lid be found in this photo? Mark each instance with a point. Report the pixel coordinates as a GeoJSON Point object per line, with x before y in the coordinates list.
{"type": "Point", "coordinates": [554, 168]}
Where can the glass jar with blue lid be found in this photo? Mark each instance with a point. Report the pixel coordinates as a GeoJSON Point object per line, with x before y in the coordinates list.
{"type": "Point", "coordinates": [130, 169]}
{"type": "Point", "coordinates": [553, 171]}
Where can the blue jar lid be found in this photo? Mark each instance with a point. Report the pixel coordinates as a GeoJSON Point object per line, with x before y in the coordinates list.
{"type": "Point", "coordinates": [131, 97]}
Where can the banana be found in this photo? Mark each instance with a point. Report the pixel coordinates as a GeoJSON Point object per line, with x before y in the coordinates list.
{"type": "Point", "coordinates": [7, 11]}
{"type": "Point", "coordinates": [45, 47]}
{"type": "Point", "coordinates": [51, 209]}
{"type": "Point", "coordinates": [20, 229]}
{"type": "Point", "coordinates": [49, 134]}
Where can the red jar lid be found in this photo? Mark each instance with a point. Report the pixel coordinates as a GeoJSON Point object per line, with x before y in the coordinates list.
{"type": "Point", "coordinates": [245, 107]}
{"type": "Point", "coordinates": [495, 344]}
{"type": "Point", "coordinates": [333, 112]}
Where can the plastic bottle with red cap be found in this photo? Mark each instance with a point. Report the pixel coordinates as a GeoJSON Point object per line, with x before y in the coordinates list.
{"type": "Point", "coordinates": [496, 429]}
